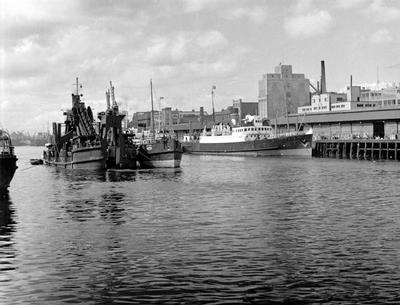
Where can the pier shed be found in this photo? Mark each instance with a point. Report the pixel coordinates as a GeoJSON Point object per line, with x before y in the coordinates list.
{"type": "Point", "coordinates": [366, 124]}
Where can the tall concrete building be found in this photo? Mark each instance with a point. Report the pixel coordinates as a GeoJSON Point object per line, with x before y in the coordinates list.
{"type": "Point", "coordinates": [282, 92]}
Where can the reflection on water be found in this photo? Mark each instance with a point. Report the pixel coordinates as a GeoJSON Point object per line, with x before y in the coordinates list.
{"type": "Point", "coordinates": [216, 231]}
{"type": "Point", "coordinates": [7, 227]}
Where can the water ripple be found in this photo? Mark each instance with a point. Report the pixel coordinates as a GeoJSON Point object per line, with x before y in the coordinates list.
{"type": "Point", "coordinates": [216, 231]}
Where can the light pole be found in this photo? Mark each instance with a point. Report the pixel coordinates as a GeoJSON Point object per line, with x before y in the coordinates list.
{"type": "Point", "coordinates": [212, 100]}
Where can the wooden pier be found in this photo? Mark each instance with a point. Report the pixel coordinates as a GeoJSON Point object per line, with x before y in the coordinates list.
{"type": "Point", "coordinates": [358, 149]}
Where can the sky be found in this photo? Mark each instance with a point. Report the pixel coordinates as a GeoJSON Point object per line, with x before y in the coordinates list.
{"type": "Point", "coordinates": [185, 47]}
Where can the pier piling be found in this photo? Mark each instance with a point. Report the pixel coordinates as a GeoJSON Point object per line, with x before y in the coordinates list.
{"type": "Point", "coordinates": [360, 149]}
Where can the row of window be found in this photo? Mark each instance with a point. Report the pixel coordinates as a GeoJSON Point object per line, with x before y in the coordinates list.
{"type": "Point", "coordinates": [365, 105]}
{"type": "Point", "coordinates": [391, 102]}
{"type": "Point", "coordinates": [319, 108]}
{"type": "Point", "coordinates": [253, 129]}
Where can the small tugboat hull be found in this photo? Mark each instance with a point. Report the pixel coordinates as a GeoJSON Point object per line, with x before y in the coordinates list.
{"type": "Point", "coordinates": [158, 160]}
{"type": "Point", "coordinates": [82, 158]}
{"type": "Point", "coordinates": [167, 154]}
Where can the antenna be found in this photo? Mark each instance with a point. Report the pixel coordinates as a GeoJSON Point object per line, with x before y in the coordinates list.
{"type": "Point", "coordinates": [377, 77]}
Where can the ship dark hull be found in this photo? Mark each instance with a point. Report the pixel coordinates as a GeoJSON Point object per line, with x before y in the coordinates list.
{"type": "Point", "coordinates": [296, 145]}
{"type": "Point", "coordinates": [160, 154]}
{"type": "Point", "coordinates": [8, 166]}
{"type": "Point", "coordinates": [81, 158]}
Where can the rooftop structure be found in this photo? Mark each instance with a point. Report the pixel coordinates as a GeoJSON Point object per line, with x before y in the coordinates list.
{"type": "Point", "coordinates": [356, 97]}
{"type": "Point", "coordinates": [282, 92]}
{"type": "Point", "coordinates": [358, 123]}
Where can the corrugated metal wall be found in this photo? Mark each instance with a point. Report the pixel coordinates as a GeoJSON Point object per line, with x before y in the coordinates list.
{"type": "Point", "coordinates": [391, 128]}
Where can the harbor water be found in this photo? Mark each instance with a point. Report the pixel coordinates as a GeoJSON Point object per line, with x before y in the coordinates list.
{"type": "Point", "coordinates": [219, 230]}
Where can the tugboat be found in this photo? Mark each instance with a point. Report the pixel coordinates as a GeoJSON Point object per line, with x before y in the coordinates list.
{"type": "Point", "coordinates": [121, 151]}
{"type": "Point", "coordinates": [252, 139]}
{"type": "Point", "coordinates": [157, 149]}
{"type": "Point", "coordinates": [86, 144]}
{"type": "Point", "coordinates": [8, 161]}
{"type": "Point", "coordinates": [80, 147]}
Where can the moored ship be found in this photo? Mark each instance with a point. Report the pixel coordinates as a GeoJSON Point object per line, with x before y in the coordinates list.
{"type": "Point", "coordinates": [163, 151]}
{"type": "Point", "coordinates": [156, 149]}
{"type": "Point", "coordinates": [87, 144]}
{"type": "Point", "coordinates": [252, 139]}
{"type": "Point", "coordinates": [8, 161]}
{"type": "Point", "coordinates": [121, 151]}
{"type": "Point", "coordinates": [79, 147]}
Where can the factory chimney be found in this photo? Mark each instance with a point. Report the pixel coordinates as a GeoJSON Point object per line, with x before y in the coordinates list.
{"type": "Point", "coordinates": [351, 87]}
{"type": "Point", "coordinates": [323, 79]}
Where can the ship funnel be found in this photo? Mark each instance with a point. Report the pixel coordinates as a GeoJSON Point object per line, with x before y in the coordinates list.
{"type": "Point", "coordinates": [323, 79]}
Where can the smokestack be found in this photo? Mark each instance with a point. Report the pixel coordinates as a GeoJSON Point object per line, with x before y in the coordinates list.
{"type": "Point", "coordinates": [201, 116]}
{"type": "Point", "coordinates": [323, 79]}
{"type": "Point", "coordinates": [318, 90]}
{"type": "Point", "coordinates": [351, 88]}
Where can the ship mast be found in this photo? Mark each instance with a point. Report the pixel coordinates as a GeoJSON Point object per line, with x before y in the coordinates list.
{"type": "Point", "coordinates": [77, 87]}
{"type": "Point", "coordinates": [159, 113]}
{"type": "Point", "coordinates": [76, 97]}
{"type": "Point", "coordinates": [152, 107]}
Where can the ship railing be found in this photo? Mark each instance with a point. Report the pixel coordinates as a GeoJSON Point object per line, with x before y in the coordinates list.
{"type": "Point", "coordinates": [290, 134]}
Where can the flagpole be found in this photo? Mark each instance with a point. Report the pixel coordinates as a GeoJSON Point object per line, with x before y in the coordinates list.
{"type": "Point", "coordinates": [212, 100]}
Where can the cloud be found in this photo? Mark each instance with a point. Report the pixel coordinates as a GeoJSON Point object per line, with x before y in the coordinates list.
{"type": "Point", "coordinates": [184, 46]}
{"type": "Point", "coordinates": [256, 14]}
{"type": "Point", "coordinates": [346, 4]}
{"type": "Point", "coordinates": [191, 55]}
{"type": "Point", "coordinates": [379, 11]}
{"type": "Point", "coordinates": [229, 9]}
{"type": "Point", "coordinates": [310, 24]}
{"type": "Point", "coordinates": [163, 50]}
{"type": "Point", "coordinates": [191, 6]}
{"type": "Point", "coordinates": [302, 6]}
{"type": "Point", "coordinates": [212, 39]}
{"type": "Point", "coordinates": [396, 66]}
{"type": "Point", "coordinates": [381, 36]}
